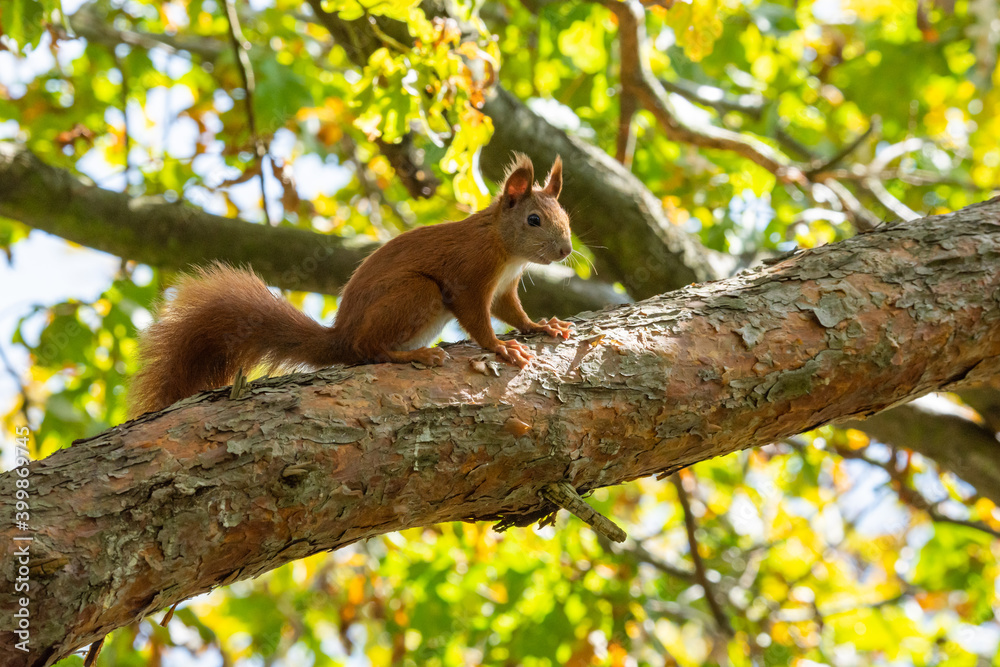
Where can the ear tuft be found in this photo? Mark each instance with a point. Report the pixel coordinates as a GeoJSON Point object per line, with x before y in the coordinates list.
{"type": "Point", "coordinates": [553, 182]}
{"type": "Point", "coordinates": [519, 179]}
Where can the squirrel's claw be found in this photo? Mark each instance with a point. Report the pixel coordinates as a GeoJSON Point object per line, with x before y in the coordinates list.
{"type": "Point", "coordinates": [513, 353]}
{"type": "Point", "coordinates": [555, 327]}
{"type": "Point", "coordinates": [434, 356]}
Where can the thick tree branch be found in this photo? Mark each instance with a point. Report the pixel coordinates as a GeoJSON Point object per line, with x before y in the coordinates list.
{"type": "Point", "coordinates": [175, 236]}
{"type": "Point", "coordinates": [214, 490]}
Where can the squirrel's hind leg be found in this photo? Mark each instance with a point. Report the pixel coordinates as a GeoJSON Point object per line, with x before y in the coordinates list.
{"type": "Point", "coordinates": [427, 356]}
{"type": "Point", "coordinates": [398, 327]}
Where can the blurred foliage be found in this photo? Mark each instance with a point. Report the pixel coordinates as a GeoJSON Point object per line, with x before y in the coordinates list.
{"type": "Point", "coordinates": [813, 555]}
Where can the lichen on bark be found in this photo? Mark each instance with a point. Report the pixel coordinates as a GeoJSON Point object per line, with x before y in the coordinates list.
{"type": "Point", "coordinates": [214, 490]}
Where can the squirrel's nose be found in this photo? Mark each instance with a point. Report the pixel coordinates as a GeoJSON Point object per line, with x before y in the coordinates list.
{"type": "Point", "coordinates": [565, 251]}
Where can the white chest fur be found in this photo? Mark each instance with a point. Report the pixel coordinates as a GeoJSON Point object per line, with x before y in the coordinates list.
{"type": "Point", "coordinates": [432, 329]}
{"type": "Point", "coordinates": [430, 332]}
{"type": "Point", "coordinates": [511, 274]}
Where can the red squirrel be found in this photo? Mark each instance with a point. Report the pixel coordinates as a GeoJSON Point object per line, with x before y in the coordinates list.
{"type": "Point", "coordinates": [396, 303]}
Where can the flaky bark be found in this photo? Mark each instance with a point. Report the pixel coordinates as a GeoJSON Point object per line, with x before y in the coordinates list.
{"type": "Point", "coordinates": [213, 490]}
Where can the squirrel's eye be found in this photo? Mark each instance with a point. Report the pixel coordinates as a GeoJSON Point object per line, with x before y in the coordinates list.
{"type": "Point", "coordinates": [534, 220]}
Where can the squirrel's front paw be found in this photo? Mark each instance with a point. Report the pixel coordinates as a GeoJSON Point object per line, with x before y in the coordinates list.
{"type": "Point", "coordinates": [554, 327]}
{"type": "Point", "coordinates": [513, 353]}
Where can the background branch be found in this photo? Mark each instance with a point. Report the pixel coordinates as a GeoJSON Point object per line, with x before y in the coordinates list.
{"type": "Point", "coordinates": [175, 236]}
{"type": "Point", "coordinates": [700, 573]}
{"type": "Point", "coordinates": [241, 47]}
{"type": "Point", "coordinates": [637, 78]}
{"type": "Point", "coordinates": [939, 437]}
{"type": "Point", "coordinates": [715, 98]}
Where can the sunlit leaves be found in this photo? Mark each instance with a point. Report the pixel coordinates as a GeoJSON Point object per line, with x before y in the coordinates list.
{"type": "Point", "coordinates": [349, 10]}
{"type": "Point", "coordinates": [10, 233]}
{"type": "Point", "coordinates": [474, 132]}
{"type": "Point", "coordinates": [421, 90]}
{"type": "Point", "coordinates": [280, 93]}
{"type": "Point", "coordinates": [80, 359]}
{"type": "Point", "coordinates": [583, 42]}
{"type": "Point", "coordinates": [697, 25]}
{"type": "Point", "coordinates": [24, 21]}
{"type": "Point", "coordinates": [960, 560]}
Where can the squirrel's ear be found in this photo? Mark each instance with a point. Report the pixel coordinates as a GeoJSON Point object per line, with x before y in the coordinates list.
{"type": "Point", "coordinates": [520, 179]}
{"type": "Point", "coordinates": [553, 182]}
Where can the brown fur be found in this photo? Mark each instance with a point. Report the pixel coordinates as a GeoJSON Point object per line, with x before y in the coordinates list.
{"type": "Point", "coordinates": [222, 319]}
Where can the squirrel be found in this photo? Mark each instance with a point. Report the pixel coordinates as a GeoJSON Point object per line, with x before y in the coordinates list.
{"type": "Point", "coordinates": [222, 319]}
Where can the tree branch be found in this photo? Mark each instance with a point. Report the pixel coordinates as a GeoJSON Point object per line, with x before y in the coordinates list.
{"type": "Point", "coordinates": [986, 401]}
{"type": "Point", "coordinates": [612, 211]}
{"type": "Point", "coordinates": [716, 98]}
{"type": "Point", "coordinates": [874, 127]}
{"type": "Point", "coordinates": [957, 444]}
{"type": "Point", "coordinates": [87, 23]}
{"type": "Point", "coordinates": [241, 47]}
{"type": "Point", "coordinates": [212, 490]}
{"type": "Point", "coordinates": [625, 141]}
{"type": "Point", "coordinates": [700, 573]}
{"type": "Point", "coordinates": [878, 165]}
{"type": "Point", "coordinates": [862, 218]}
{"type": "Point", "coordinates": [911, 496]}
{"type": "Point", "coordinates": [637, 78]}
{"type": "Point", "coordinates": [175, 236]}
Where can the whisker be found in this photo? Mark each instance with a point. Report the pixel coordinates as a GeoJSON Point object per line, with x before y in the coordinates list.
{"type": "Point", "coordinates": [585, 259]}
{"type": "Point", "coordinates": [584, 237]}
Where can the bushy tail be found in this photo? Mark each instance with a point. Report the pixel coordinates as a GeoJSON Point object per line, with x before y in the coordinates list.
{"type": "Point", "coordinates": [220, 320]}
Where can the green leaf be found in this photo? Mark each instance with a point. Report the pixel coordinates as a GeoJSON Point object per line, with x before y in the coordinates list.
{"type": "Point", "coordinates": [280, 93]}
{"type": "Point", "coordinates": [23, 21]}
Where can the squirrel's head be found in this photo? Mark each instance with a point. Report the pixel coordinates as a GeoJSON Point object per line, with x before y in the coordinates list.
{"type": "Point", "coordinates": [531, 222]}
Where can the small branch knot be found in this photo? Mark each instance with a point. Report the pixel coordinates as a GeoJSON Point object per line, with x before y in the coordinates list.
{"type": "Point", "coordinates": [240, 383]}
{"type": "Point", "coordinates": [566, 497]}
